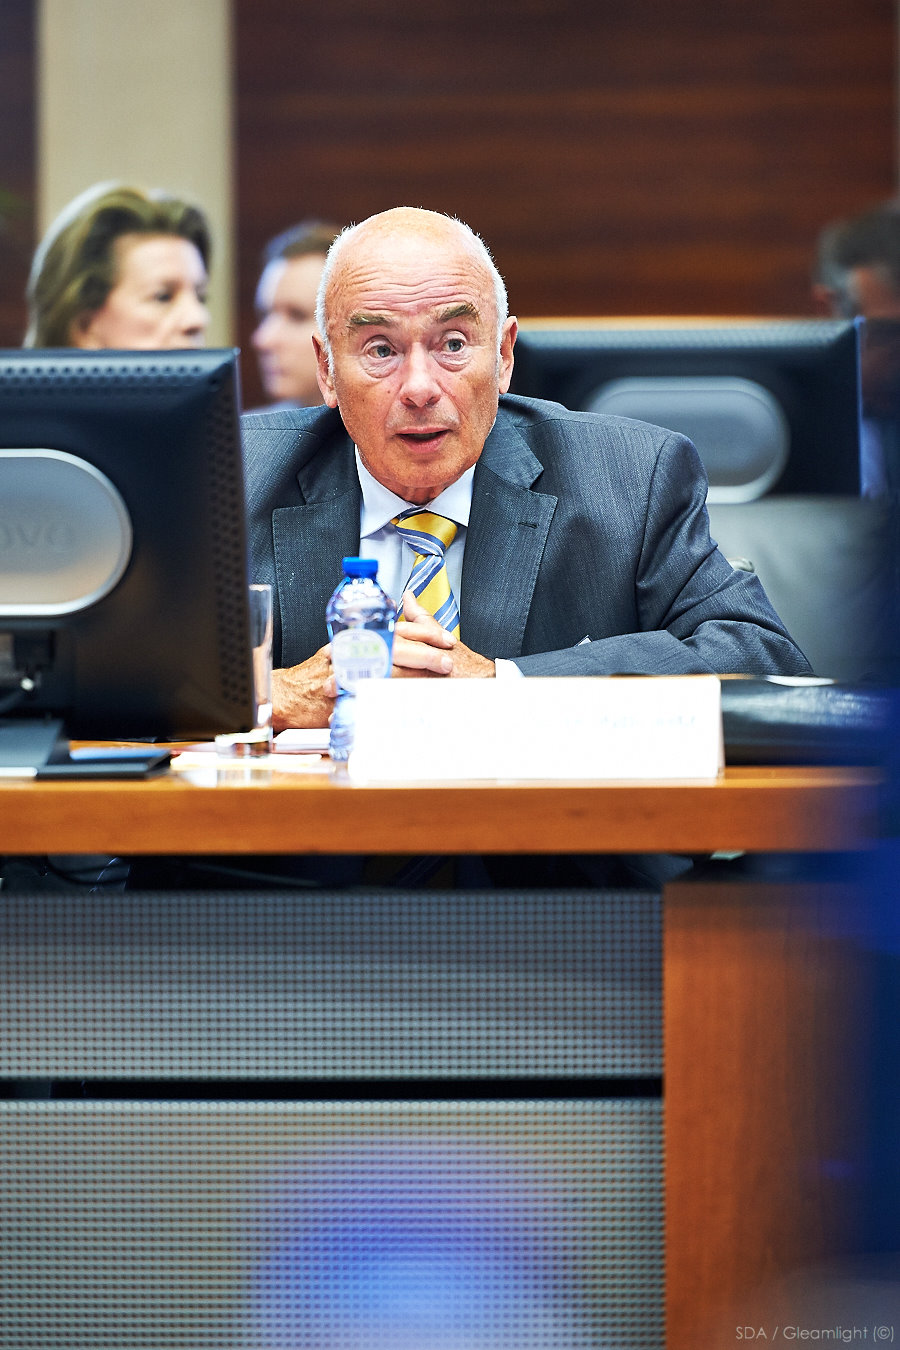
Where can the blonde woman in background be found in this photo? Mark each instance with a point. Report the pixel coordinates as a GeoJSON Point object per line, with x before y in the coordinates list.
{"type": "Point", "coordinates": [121, 267]}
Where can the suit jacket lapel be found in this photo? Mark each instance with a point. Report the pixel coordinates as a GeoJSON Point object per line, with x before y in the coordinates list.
{"type": "Point", "coordinates": [310, 541]}
{"type": "Point", "coordinates": [505, 542]}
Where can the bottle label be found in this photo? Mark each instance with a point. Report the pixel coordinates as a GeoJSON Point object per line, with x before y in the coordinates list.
{"type": "Point", "coordinates": [359, 654]}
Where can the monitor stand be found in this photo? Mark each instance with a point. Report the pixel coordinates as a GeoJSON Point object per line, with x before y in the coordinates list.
{"type": "Point", "coordinates": [31, 742]}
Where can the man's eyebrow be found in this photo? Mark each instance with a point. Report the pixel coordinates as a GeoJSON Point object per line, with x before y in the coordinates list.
{"type": "Point", "coordinates": [366, 319]}
{"type": "Point", "coordinates": [363, 319]}
{"type": "Point", "coordinates": [464, 310]}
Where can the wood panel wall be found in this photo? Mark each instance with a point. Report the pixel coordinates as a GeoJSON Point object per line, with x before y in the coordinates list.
{"type": "Point", "coordinates": [18, 180]}
{"type": "Point", "coordinates": [640, 158]}
{"type": "Point", "coordinates": [619, 159]}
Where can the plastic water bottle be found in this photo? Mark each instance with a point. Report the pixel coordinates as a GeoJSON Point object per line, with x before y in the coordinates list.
{"type": "Point", "coordinates": [360, 618]}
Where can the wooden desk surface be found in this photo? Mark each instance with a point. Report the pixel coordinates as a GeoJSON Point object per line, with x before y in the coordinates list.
{"type": "Point", "coordinates": [748, 809]}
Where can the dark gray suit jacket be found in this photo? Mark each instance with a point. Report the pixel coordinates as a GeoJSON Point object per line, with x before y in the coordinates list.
{"type": "Point", "coordinates": [587, 551]}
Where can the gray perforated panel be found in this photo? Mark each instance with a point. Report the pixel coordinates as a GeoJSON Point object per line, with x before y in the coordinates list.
{"type": "Point", "coordinates": [532, 1225]}
{"type": "Point", "coordinates": [330, 985]}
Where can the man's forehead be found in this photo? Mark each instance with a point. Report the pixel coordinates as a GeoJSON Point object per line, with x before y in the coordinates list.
{"type": "Point", "coordinates": [422, 300]}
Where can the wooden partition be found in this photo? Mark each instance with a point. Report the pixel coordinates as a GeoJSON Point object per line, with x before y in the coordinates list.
{"type": "Point", "coordinates": [647, 158]}
{"type": "Point", "coordinates": [18, 176]}
{"type": "Point", "coordinates": [620, 159]}
{"type": "Point", "coordinates": [769, 1032]}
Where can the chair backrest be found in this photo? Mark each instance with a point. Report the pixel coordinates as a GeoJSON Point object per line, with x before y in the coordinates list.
{"type": "Point", "coordinates": [829, 566]}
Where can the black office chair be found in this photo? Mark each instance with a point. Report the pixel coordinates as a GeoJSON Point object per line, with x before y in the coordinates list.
{"type": "Point", "coordinates": [828, 563]}
{"type": "Point", "coordinates": [829, 566]}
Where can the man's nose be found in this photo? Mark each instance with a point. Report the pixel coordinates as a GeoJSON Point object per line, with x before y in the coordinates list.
{"type": "Point", "coordinates": [419, 387]}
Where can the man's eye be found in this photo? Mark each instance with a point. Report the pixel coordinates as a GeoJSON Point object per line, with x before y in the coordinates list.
{"type": "Point", "coordinates": [454, 345]}
{"type": "Point", "coordinates": [163, 297]}
{"type": "Point", "coordinates": [380, 349]}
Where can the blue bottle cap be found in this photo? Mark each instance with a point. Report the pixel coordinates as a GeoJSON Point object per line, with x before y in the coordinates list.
{"type": "Point", "coordinates": [360, 567]}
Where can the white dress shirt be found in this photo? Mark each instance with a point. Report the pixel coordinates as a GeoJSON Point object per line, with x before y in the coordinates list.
{"type": "Point", "coordinates": [379, 539]}
{"type": "Point", "coordinates": [395, 557]}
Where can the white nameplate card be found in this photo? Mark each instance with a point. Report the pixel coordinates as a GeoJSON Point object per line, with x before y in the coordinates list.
{"type": "Point", "coordinates": [596, 727]}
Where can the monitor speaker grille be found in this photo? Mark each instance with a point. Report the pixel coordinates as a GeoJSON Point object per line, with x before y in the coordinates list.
{"type": "Point", "coordinates": [227, 545]}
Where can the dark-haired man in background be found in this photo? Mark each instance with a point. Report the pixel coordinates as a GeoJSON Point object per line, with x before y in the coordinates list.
{"type": "Point", "coordinates": [286, 306]}
{"type": "Point", "coordinates": [857, 275]}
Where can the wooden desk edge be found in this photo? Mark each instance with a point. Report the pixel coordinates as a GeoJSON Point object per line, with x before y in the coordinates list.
{"type": "Point", "coordinates": [765, 809]}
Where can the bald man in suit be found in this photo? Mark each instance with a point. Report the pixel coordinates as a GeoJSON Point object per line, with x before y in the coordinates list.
{"type": "Point", "coordinates": [582, 544]}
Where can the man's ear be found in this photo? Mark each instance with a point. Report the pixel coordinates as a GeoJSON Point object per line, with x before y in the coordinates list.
{"type": "Point", "coordinates": [507, 342]}
{"type": "Point", "coordinates": [323, 373]}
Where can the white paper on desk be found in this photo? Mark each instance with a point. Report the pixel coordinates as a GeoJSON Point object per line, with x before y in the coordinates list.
{"type": "Point", "coordinates": [303, 740]}
{"type": "Point", "coordinates": [595, 727]}
{"type": "Point", "coordinates": [247, 768]}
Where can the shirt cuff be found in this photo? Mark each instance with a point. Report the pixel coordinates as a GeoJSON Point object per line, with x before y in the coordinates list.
{"type": "Point", "coordinates": [505, 670]}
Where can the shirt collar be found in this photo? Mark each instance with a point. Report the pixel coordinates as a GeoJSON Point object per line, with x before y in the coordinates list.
{"type": "Point", "coordinates": [380, 505]}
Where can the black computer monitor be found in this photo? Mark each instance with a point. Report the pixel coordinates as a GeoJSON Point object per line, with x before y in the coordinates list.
{"type": "Point", "coordinates": [772, 406]}
{"type": "Point", "coordinates": [123, 566]}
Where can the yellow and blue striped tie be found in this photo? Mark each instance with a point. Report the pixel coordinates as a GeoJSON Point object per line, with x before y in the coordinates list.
{"type": "Point", "coordinates": [430, 535]}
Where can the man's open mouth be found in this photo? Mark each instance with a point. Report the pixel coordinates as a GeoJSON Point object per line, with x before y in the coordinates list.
{"type": "Point", "coordinates": [423, 437]}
